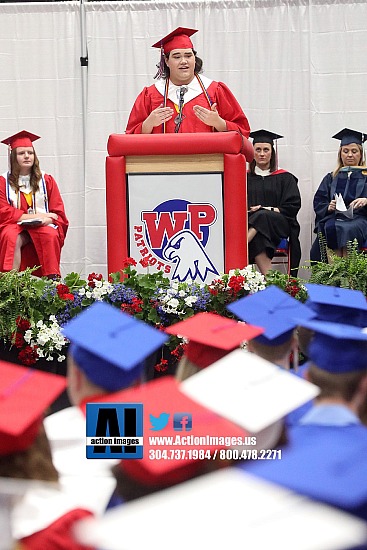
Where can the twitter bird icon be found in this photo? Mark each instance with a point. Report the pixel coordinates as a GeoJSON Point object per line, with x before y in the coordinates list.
{"type": "Point", "coordinates": [158, 422]}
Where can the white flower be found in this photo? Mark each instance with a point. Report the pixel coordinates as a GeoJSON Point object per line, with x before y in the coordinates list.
{"type": "Point", "coordinates": [173, 303]}
{"type": "Point", "coordinates": [81, 291]}
{"type": "Point", "coordinates": [190, 300]}
{"type": "Point", "coordinates": [28, 335]}
{"type": "Point", "coordinates": [61, 358]}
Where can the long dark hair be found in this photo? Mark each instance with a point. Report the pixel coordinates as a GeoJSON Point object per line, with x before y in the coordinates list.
{"type": "Point", "coordinates": [198, 65]}
{"type": "Point", "coordinates": [273, 161]}
{"type": "Point", "coordinates": [36, 173]}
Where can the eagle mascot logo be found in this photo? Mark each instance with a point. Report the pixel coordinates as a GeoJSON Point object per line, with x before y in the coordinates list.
{"type": "Point", "coordinates": [186, 252]}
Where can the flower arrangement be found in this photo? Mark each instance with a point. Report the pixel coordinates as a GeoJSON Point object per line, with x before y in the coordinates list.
{"type": "Point", "coordinates": [32, 309]}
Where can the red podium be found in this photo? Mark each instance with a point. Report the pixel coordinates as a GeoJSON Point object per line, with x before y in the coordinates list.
{"type": "Point", "coordinates": [178, 203]}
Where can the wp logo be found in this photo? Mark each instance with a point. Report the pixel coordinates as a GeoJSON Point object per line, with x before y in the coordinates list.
{"type": "Point", "coordinates": [114, 430]}
{"type": "Point", "coordinates": [177, 232]}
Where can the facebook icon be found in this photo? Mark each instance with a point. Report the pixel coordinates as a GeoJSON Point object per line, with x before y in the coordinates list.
{"type": "Point", "coordinates": [182, 422]}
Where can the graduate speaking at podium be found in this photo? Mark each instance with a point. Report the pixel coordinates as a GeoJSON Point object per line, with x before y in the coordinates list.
{"type": "Point", "coordinates": [182, 100]}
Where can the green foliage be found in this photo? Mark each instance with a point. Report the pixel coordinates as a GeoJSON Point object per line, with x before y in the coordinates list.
{"type": "Point", "coordinates": [349, 271]}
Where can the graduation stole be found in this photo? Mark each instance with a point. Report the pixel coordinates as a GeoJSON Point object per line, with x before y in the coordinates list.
{"type": "Point", "coordinates": [210, 103]}
{"type": "Point", "coordinates": [37, 202]}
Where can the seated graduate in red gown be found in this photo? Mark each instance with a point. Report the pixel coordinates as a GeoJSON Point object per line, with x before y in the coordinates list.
{"type": "Point", "coordinates": [182, 100]}
{"type": "Point", "coordinates": [43, 515]}
{"type": "Point", "coordinates": [33, 223]}
{"type": "Point", "coordinates": [273, 201]}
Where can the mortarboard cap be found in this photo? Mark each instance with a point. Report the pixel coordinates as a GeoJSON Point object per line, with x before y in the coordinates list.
{"type": "Point", "coordinates": [163, 395]}
{"type": "Point", "coordinates": [274, 310]}
{"type": "Point", "coordinates": [326, 463]}
{"type": "Point", "coordinates": [21, 139]}
{"type": "Point", "coordinates": [248, 390]}
{"type": "Point", "coordinates": [335, 304]}
{"type": "Point", "coordinates": [110, 346]}
{"type": "Point", "coordinates": [215, 505]}
{"type": "Point", "coordinates": [264, 136]}
{"type": "Point", "coordinates": [177, 39]}
{"type": "Point", "coordinates": [212, 336]}
{"type": "Point", "coordinates": [337, 348]}
{"type": "Point", "coordinates": [25, 394]}
{"type": "Point", "coordinates": [347, 136]}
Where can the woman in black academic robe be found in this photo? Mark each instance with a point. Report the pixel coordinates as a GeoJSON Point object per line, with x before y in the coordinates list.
{"type": "Point", "coordinates": [349, 183]}
{"type": "Point", "coordinates": [273, 200]}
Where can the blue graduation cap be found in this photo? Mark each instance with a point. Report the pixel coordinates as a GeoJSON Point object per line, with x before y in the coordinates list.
{"type": "Point", "coordinates": [326, 463]}
{"type": "Point", "coordinates": [335, 304]}
{"type": "Point", "coordinates": [348, 136]}
{"type": "Point", "coordinates": [337, 348]}
{"type": "Point", "coordinates": [110, 346]}
{"type": "Point", "coordinates": [274, 310]}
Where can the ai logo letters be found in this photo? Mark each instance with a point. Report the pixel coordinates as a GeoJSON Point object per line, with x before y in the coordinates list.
{"type": "Point", "coordinates": [114, 430]}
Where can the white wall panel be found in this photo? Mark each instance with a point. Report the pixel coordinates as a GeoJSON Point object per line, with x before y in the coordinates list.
{"type": "Point", "coordinates": [296, 66]}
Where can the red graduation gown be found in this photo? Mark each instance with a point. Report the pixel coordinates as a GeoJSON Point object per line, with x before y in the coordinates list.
{"type": "Point", "coordinates": [45, 248]}
{"type": "Point", "coordinates": [58, 535]}
{"type": "Point", "coordinates": [227, 105]}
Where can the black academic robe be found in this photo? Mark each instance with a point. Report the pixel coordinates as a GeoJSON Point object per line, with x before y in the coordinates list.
{"type": "Point", "coordinates": [337, 228]}
{"type": "Point", "coordinates": [279, 189]}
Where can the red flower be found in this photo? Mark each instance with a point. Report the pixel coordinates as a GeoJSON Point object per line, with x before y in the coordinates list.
{"type": "Point", "coordinates": [292, 288]}
{"type": "Point", "coordinates": [94, 277]}
{"type": "Point", "coordinates": [127, 262]}
{"type": "Point", "coordinates": [67, 297]}
{"type": "Point", "coordinates": [134, 307]}
{"type": "Point", "coordinates": [162, 366]}
{"type": "Point", "coordinates": [19, 340]}
{"type": "Point", "coordinates": [28, 356]}
{"type": "Point", "coordinates": [235, 283]}
{"type": "Point", "coordinates": [213, 291]}
{"type": "Point", "coordinates": [137, 305]}
{"type": "Point", "coordinates": [179, 351]}
{"type": "Point", "coordinates": [62, 290]}
{"type": "Point", "coordinates": [22, 324]}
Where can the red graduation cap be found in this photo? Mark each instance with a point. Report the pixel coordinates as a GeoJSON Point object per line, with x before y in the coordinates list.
{"type": "Point", "coordinates": [212, 336]}
{"type": "Point", "coordinates": [164, 396]}
{"type": "Point", "coordinates": [25, 394]}
{"type": "Point", "coordinates": [177, 39]}
{"type": "Point", "coordinates": [21, 139]}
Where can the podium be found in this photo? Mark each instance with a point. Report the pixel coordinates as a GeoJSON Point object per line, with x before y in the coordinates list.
{"type": "Point", "coordinates": [178, 203]}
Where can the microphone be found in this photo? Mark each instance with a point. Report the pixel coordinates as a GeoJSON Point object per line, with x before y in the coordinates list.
{"type": "Point", "coordinates": [181, 92]}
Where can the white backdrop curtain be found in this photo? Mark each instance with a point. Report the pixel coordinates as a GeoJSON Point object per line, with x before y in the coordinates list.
{"type": "Point", "coordinates": [297, 67]}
